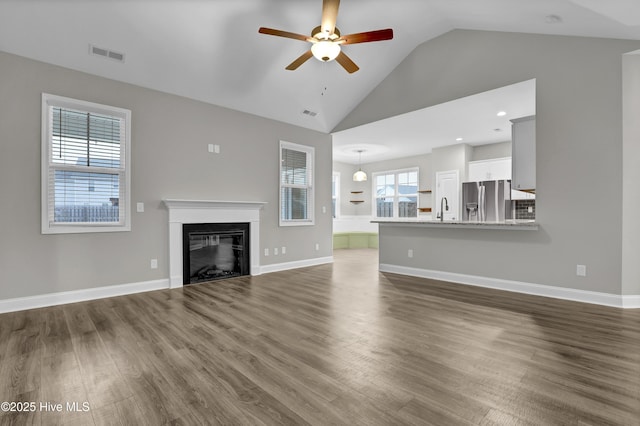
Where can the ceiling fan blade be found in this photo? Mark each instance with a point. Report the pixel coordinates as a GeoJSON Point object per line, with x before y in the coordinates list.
{"type": "Point", "coordinates": [280, 33]}
{"type": "Point", "coordinates": [347, 63]}
{"type": "Point", "coordinates": [301, 60]}
{"type": "Point", "coordinates": [377, 35]}
{"type": "Point", "coordinates": [329, 16]}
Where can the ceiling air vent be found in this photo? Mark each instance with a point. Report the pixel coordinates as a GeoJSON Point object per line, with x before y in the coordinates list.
{"type": "Point", "coordinates": [309, 113]}
{"type": "Point", "coordinates": [106, 53]}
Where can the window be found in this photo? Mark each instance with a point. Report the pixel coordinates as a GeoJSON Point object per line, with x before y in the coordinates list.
{"type": "Point", "coordinates": [85, 171]}
{"type": "Point", "coordinates": [335, 195]}
{"type": "Point", "coordinates": [396, 194]}
{"type": "Point", "coordinates": [296, 184]}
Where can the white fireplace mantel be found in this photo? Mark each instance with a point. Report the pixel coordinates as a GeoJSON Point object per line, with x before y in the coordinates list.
{"type": "Point", "coordinates": [210, 211]}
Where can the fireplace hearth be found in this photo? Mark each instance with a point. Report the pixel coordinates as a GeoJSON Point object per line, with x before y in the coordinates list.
{"type": "Point", "coordinates": [213, 251]}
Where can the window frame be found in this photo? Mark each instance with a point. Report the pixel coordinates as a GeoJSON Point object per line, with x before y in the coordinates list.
{"type": "Point", "coordinates": [396, 196]}
{"type": "Point", "coordinates": [335, 199]}
{"type": "Point", "coordinates": [49, 102]}
{"type": "Point", "coordinates": [310, 170]}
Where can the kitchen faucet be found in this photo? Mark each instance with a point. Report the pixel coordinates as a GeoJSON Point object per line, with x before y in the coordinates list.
{"type": "Point", "coordinates": [446, 206]}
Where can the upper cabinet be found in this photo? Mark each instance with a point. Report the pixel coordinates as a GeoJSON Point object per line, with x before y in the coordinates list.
{"type": "Point", "coordinates": [523, 153]}
{"type": "Point", "coordinates": [493, 169]}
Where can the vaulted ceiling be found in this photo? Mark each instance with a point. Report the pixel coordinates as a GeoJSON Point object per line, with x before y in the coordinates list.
{"type": "Point", "coordinates": [210, 50]}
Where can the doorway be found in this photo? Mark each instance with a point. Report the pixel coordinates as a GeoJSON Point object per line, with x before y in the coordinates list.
{"type": "Point", "coordinates": [447, 186]}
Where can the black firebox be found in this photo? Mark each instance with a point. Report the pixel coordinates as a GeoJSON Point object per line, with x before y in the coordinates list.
{"type": "Point", "coordinates": [213, 251]}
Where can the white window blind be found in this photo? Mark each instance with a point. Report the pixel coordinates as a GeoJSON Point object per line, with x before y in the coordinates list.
{"type": "Point", "coordinates": [85, 172]}
{"type": "Point", "coordinates": [296, 184]}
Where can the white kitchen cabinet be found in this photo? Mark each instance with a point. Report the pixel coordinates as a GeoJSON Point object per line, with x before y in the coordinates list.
{"type": "Point", "coordinates": [492, 169]}
{"type": "Point", "coordinates": [523, 153]}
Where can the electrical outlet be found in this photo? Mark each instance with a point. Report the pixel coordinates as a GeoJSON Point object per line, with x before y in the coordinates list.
{"type": "Point", "coordinates": [581, 270]}
{"type": "Point", "coordinates": [283, 250]}
{"type": "Point", "coordinates": [275, 251]}
{"type": "Point", "coordinates": [140, 207]}
{"type": "Point", "coordinates": [324, 209]}
{"type": "Point", "coordinates": [154, 263]}
{"type": "Point", "coordinates": [410, 253]}
{"type": "Point", "coordinates": [266, 252]}
{"type": "Point", "coordinates": [317, 246]}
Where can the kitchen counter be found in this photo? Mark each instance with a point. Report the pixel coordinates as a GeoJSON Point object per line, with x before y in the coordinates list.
{"type": "Point", "coordinates": [514, 225]}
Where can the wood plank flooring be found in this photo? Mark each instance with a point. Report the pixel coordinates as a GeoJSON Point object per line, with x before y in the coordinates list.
{"type": "Point", "coordinates": [334, 344]}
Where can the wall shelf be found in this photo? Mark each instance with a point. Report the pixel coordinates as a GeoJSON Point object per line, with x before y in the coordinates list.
{"type": "Point", "coordinates": [424, 191]}
{"type": "Point", "coordinates": [356, 201]}
{"type": "Point", "coordinates": [357, 192]}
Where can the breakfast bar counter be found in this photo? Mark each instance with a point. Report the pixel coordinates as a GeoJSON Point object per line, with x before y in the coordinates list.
{"type": "Point", "coordinates": [514, 225]}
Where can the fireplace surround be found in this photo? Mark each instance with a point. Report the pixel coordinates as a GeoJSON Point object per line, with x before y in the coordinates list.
{"type": "Point", "coordinates": [210, 211]}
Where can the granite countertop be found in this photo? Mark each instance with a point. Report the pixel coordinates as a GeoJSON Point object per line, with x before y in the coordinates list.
{"type": "Point", "coordinates": [513, 224]}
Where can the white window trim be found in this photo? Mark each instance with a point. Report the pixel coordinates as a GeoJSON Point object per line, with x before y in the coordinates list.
{"type": "Point", "coordinates": [374, 210]}
{"type": "Point", "coordinates": [49, 101]}
{"type": "Point", "coordinates": [310, 151]}
{"type": "Point", "coordinates": [336, 177]}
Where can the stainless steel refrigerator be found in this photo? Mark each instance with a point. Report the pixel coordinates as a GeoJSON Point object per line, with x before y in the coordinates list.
{"type": "Point", "coordinates": [487, 201]}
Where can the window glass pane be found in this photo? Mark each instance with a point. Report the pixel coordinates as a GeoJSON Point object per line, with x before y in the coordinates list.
{"type": "Point", "coordinates": [408, 207]}
{"type": "Point", "coordinates": [408, 183]}
{"type": "Point", "coordinates": [384, 207]}
{"type": "Point", "coordinates": [294, 203]}
{"type": "Point", "coordinates": [294, 167]}
{"type": "Point", "coordinates": [385, 186]}
{"type": "Point", "coordinates": [86, 197]}
{"type": "Point", "coordinates": [84, 139]}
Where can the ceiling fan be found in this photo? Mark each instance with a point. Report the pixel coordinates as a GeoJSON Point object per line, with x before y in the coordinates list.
{"type": "Point", "coordinates": [327, 40]}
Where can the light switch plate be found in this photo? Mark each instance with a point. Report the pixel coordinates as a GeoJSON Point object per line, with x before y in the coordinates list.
{"type": "Point", "coordinates": [140, 207]}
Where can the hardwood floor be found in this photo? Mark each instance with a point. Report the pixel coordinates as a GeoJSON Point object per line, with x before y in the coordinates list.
{"type": "Point", "coordinates": [332, 344]}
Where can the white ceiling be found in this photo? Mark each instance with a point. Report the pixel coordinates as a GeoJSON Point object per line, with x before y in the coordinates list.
{"type": "Point", "coordinates": [210, 50]}
{"type": "Point", "coordinates": [472, 120]}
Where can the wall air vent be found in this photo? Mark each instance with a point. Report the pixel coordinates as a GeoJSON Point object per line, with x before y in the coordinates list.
{"type": "Point", "coordinates": [106, 53]}
{"type": "Point", "coordinates": [309, 113]}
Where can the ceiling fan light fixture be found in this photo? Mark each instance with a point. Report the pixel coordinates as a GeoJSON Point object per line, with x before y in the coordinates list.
{"type": "Point", "coordinates": [325, 50]}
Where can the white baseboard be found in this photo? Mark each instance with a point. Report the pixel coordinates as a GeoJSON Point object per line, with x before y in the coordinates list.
{"type": "Point", "coordinates": [631, 302]}
{"type": "Point", "coordinates": [593, 297]}
{"type": "Point", "coordinates": [296, 264]}
{"type": "Point", "coordinates": [61, 298]}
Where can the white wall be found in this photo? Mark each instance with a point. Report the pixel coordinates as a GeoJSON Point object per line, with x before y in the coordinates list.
{"type": "Point", "coordinates": [169, 160]}
{"type": "Point", "coordinates": [579, 154]}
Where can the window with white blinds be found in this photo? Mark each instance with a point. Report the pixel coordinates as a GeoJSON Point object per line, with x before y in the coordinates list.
{"type": "Point", "coordinates": [296, 184]}
{"type": "Point", "coordinates": [85, 170]}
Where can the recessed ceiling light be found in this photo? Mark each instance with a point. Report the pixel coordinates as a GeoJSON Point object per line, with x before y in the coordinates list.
{"type": "Point", "coordinates": [501, 114]}
{"type": "Point", "coordinates": [458, 139]}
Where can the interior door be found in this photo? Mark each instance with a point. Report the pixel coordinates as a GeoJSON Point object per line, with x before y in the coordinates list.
{"type": "Point", "coordinates": [448, 186]}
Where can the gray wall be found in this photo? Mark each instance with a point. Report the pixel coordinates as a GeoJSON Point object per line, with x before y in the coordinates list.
{"type": "Point", "coordinates": [579, 154]}
{"type": "Point", "coordinates": [631, 176]}
{"type": "Point", "coordinates": [491, 151]}
{"type": "Point", "coordinates": [169, 160]}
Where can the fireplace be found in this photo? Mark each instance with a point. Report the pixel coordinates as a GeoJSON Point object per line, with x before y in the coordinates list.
{"type": "Point", "coordinates": [213, 251]}
{"type": "Point", "coordinates": [183, 212]}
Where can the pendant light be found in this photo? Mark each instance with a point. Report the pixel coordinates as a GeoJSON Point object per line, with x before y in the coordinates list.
{"type": "Point", "coordinates": [360, 176]}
